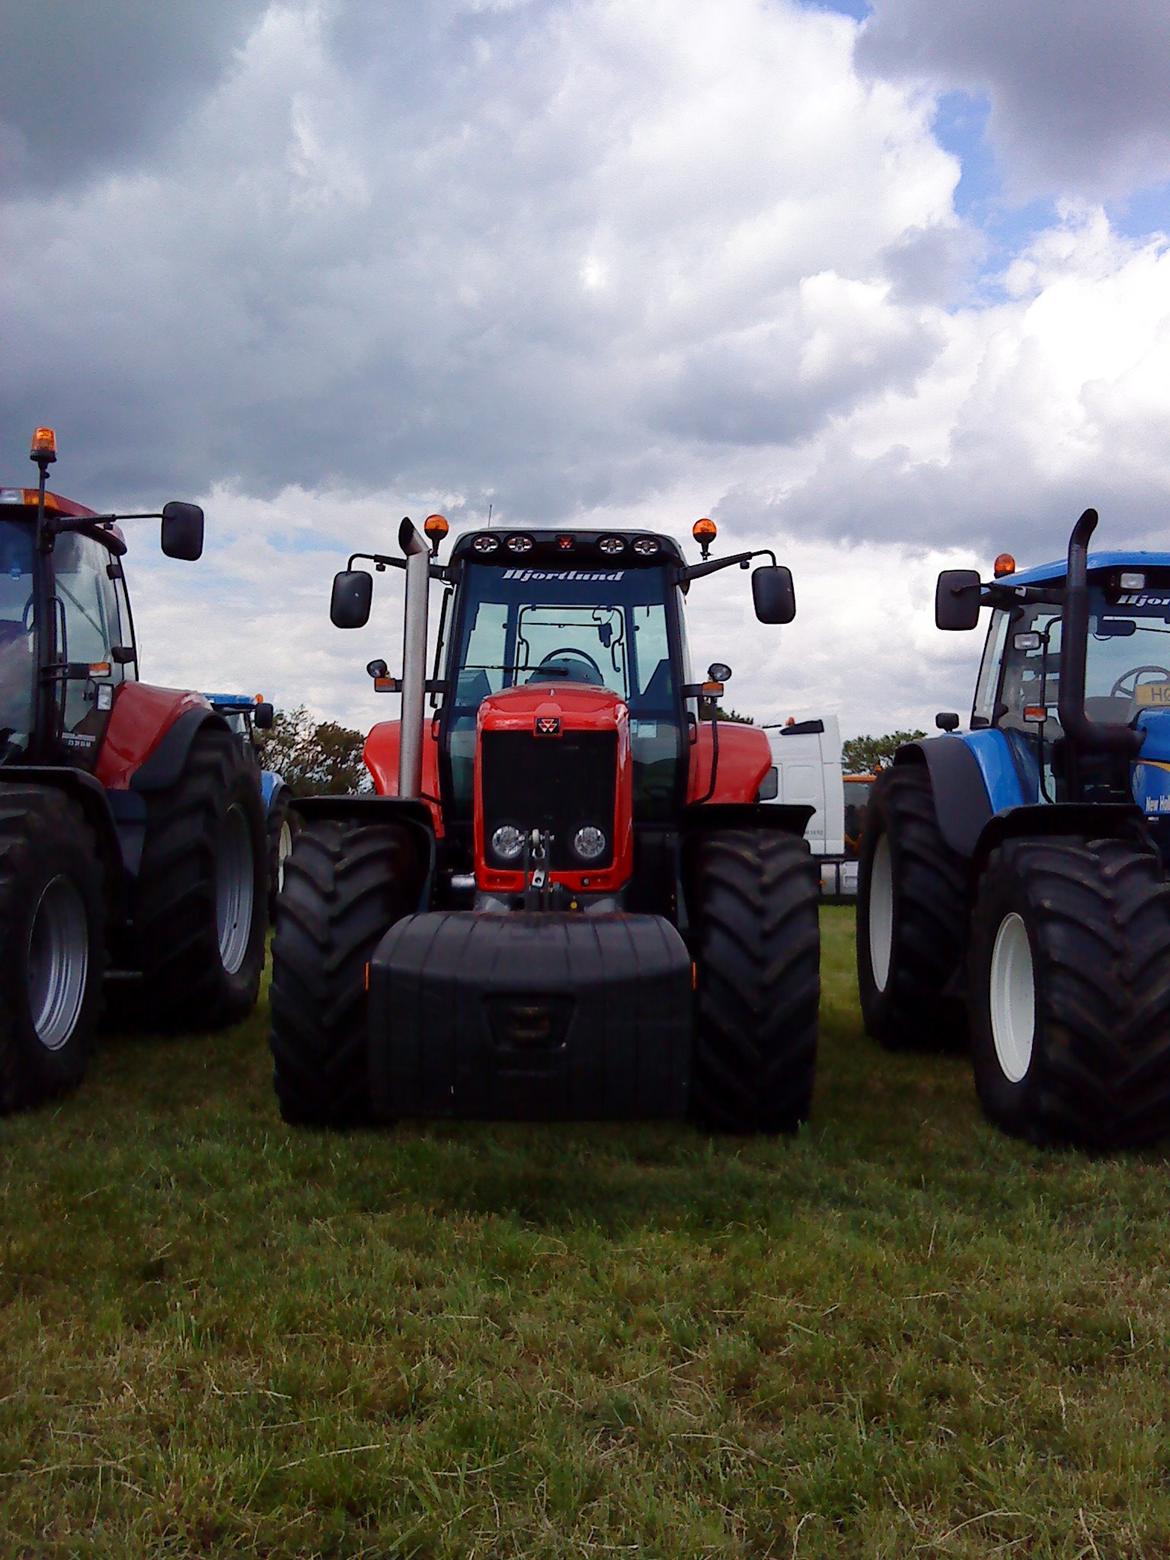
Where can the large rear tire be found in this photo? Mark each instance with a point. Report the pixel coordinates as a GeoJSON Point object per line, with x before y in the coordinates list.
{"type": "Point", "coordinates": [283, 827]}
{"type": "Point", "coordinates": [200, 908]}
{"type": "Point", "coordinates": [754, 903]}
{"type": "Point", "coordinates": [345, 885]}
{"type": "Point", "coordinates": [911, 918]}
{"type": "Point", "coordinates": [1070, 993]}
{"type": "Point", "coordinates": [52, 945]}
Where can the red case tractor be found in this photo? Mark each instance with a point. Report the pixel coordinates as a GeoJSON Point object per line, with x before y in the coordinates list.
{"type": "Point", "coordinates": [131, 827]}
{"type": "Point", "coordinates": [565, 899]}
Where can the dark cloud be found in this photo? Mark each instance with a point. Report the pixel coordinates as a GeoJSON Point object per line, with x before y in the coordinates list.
{"type": "Point", "coordinates": [1080, 90]}
{"type": "Point", "coordinates": [98, 87]}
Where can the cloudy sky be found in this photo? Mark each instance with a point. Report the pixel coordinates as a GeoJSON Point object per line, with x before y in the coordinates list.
{"type": "Point", "coordinates": [886, 287]}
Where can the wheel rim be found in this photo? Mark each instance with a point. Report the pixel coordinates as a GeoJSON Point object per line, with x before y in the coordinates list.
{"type": "Point", "coordinates": [1013, 998]}
{"type": "Point", "coordinates": [284, 844]}
{"type": "Point", "coordinates": [234, 889]}
{"type": "Point", "coordinates": [881, 912]}
{"type": "Point", "coordinates": [58, 962]}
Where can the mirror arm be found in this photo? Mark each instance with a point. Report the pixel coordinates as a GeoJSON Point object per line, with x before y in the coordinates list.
{"type": "Point", "coordinates": [696, 571]}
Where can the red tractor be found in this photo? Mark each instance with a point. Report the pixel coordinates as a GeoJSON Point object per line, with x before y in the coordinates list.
{"type": "Point", "coordinates": [565, 899]}
{"type": "Point", "coordinates": [131, 827]}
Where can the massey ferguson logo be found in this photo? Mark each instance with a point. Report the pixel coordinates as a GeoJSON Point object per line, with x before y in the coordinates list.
{"type": "Point", "coordinates": [548, 725]}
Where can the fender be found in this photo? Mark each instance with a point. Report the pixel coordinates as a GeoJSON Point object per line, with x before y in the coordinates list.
{"type": "Point", "coordinates": [82, 787]}
{"type": "Point", "coordinates": [380, 756]}
{"type": "Point", "coordinates": [744, 758]}
{"type": "Point", "coordinates": [414, 815]}
{"type": "Point", "coordinates": [769, 817]}
{"type": "Point", "coordinates": [149, 736]}
{"type": "Point", "coordinates": [272, 788]}
{"type": "Point", "coordinates": [1082, 820]}
{"type": "Point", "coordinates": [961, 803]}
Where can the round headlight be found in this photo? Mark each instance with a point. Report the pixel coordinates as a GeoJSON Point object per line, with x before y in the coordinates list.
{"type": "Point", "coordinates": [485, 544]}
{"type": "Point", "coordinates": [520, 543]}
{"type": "Point", "coordinates": [611, 545]}
{"type": "Point", "coordinates": [589, 842]}
{"type": "Point", "coordinates": [646, 546]}
{"type": "Point", "coordinates": [508, 841]}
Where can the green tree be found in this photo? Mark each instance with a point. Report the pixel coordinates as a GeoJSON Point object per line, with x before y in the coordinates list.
{"type": "Point", "coordinates": [316, 757]}
{"type": "Point", "coordinates": [863, 755]}
{"type": "Point", "coordinates": [740, 720]}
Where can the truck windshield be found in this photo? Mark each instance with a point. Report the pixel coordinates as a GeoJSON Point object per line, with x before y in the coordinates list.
{"type": "Point", "coordinates": [17, 662]}
{"type": "Point", "coordinates": [598, 628]}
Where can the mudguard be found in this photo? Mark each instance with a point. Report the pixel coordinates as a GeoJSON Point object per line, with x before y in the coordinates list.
{"type": "Point", "coordinates": [413, 814]}
{"type": "Point", "coordinates": [530, 1016]}
{"type": "Point", "coordinates": [1077, 820]}
{"type": "Point", "coordinates": [787, 817]}
{"type": "Point", "coordinates": [961, 803]}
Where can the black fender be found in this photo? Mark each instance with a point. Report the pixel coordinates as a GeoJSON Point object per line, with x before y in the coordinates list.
{"type": "Point", "coordinates": [1077, 820]}
{"type": "Point", "coordinates": [94, 800]}
{"type": "Point", "coordinates": [961, 803]}
{"type": "Point", "coordinates": [164, 766]}
{"type": "Point", "coordinates": [406, 810]}
{"type": "Point", "coordinates": [787, 817]}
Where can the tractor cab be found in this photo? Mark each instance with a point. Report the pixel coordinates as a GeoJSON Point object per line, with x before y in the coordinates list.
{"type": "Point", "coordinates": [66, 632]}
{"type": "Point", "coordinates": [1109, 683]}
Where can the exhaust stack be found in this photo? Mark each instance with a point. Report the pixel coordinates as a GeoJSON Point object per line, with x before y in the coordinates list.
{"type": "Point", "coordinates": [414, 657]}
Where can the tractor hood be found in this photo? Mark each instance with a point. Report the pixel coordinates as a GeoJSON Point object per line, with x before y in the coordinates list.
{"type": "Point", "coordinates": [1151, 769]}
{"type": "Point", "coordinates": [548, 708]}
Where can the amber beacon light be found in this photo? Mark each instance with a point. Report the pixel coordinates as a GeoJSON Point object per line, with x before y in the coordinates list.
{"type": "Point", "coordinates": [44, 446]}
{"type": "Point", "coordinates": [1004, 564]}
{"type": "Point", "coordinates": [704, 532]}
{"type": "Point", "coordinates": [436, 528]}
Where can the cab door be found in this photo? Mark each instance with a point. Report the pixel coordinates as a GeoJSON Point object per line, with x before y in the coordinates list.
{"type": "Point", "coordinates": [90, 643]}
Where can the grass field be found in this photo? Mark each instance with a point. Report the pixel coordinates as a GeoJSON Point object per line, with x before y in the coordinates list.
{"type": "Point", "coordinates": [896, 1334]}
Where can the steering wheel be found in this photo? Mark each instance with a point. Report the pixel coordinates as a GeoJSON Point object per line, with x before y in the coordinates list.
{"type": "Point", "coordinates": [1120, 691]}
{"type": "Point", "coordinates": [26, 617]}
{"type": "Point", "coordinates": [572, 653]}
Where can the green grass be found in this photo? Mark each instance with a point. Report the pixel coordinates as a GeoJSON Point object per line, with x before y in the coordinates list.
{"type": "Point", "coordinates": [896, 1334]}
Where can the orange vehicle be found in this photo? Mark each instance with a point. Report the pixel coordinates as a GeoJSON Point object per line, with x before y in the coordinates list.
{"type": "Point", "coordinates": [566, 898]}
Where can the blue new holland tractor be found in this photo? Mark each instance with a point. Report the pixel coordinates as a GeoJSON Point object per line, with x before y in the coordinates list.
{"type": "Point", "coordinates": [246, 717]}
{"type": "Point", "coordinates": [1013, 887]}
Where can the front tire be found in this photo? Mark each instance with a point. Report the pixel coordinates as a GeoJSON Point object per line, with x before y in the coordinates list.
{"type": "Point", "coordinates": [345, 886]}
{"type": "Point", "coordinates": [754, 903]}
{"type": "Point", "coordinates": [1070, 993]}
{"type": "Point", "coordinates": [52, 945]}
{"type": "Point", "coordinates": [911, 918]}
{"type": "Point", "coordinates": [200, 908]}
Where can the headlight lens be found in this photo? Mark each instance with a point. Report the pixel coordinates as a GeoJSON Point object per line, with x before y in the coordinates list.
{"type": "Point", "coordinates": [508, 841]}
{"type": "Point", "coordinates": [485, 544]}
{"type": "Point", "coordinates": [589, 842]}
{"type": "Point", "coordinates": [646, 546]}
{"type": "Point", "coordinates": [611, 545]}
{"type": "Point", "coordinates": [520, 543]}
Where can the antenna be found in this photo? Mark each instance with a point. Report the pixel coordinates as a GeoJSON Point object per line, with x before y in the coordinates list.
{"type": "Point", "coordinates": [490, 507]}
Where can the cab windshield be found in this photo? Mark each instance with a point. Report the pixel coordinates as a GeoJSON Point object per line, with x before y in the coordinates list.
{"type": "Point", "coordinates": [17, 662]}
{"type": "Point", "coordinates": [583, 627]}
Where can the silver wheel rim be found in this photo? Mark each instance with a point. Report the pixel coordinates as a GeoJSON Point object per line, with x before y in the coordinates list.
{"type": "Point", "coordinates": [58, 962]}
{"type": "Point", "coordinates": [881, 912]}
{"type": "Point", "coordinates": [1012, 998]}
{"type": "Point", "coordinates": [234, 889]}
{"type": "Point", "coordinates": [284, 844]}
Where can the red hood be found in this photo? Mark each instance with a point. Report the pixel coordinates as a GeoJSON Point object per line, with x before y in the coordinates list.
{"type": "Point", "coordinates": [579, 706]}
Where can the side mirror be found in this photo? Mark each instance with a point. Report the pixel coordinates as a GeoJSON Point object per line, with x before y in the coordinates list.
{"type": "Point", "coordinates": [182, 531]}
{"type": "Point", "coordinates": [263, 715]}
{"type": "Point", "coordinates": [947, 720]}
{"type": "Point", "coordinates": [773, 593]}
{"type": "Point", "coordinates": [956, 599]}
{"type": "Point", "coordinates": [349, 606]}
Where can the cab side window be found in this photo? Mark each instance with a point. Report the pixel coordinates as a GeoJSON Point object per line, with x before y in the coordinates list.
{"type": "Point", "coordinates": [90, 620]}
{"type": "Point", "coordinates": [987, 689]}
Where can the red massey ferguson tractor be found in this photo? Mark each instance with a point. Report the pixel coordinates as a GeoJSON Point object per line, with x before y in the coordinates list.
{"type": "Point", "coordinates": [564, 899]}
{"type": "Point", "coordinates": [131, 829]}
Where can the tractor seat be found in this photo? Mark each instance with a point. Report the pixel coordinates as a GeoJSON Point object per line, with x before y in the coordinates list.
{"type": "Point", "coordinates": [1105, 708]}
{"type": "Point", "coordinates": [566, 668]}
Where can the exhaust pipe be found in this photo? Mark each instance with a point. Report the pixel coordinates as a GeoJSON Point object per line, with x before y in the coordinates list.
{"type": "Point", "coordinates": [414, 657]}
{"type": "Point", "coordinates": [1085, 735]}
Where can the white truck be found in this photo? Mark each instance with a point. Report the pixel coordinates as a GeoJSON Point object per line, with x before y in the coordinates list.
{"type": "Point", "coordinates": [806, 767]}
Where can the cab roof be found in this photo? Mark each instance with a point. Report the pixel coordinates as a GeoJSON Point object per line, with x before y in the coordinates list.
{"type": "Point", "coordinates": [1098, 562]}
{"type": "Point", "coordinates": [26, 498]}
{"type": "Point", "coordinates": [566, 547]}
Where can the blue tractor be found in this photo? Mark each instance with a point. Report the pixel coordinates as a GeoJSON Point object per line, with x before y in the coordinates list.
{"type": "Point", "coordinates": [246, 717]}
{"type": "Point", "coordinates": [1013, 890]}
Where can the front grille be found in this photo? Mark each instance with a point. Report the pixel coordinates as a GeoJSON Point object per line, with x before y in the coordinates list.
{"type": "Point", "coordinates": [553, 783]}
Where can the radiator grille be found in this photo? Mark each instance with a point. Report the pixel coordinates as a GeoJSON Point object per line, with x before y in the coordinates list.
{"type": "Point", "coordinates": [554, 783]}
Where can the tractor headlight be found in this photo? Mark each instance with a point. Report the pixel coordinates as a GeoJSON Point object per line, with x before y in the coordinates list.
{"type": "Point", "coordinates": [486, 544]}
{"type": "Point", "coordinates": [589, 842]}
{"type": "Point", "coordinates": [646, 546]}
{"type": "Point", "coordinates": [520, 543]}
{"type": "Point", "coordinates": [612, 545]}
{"type": "Point", "coordinates": [507, 841]}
